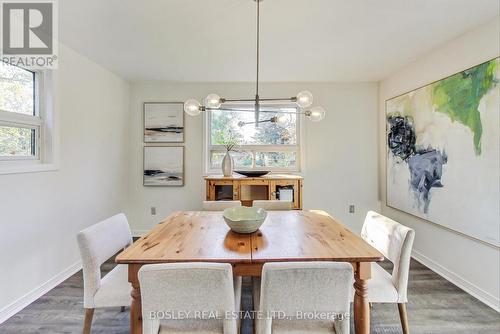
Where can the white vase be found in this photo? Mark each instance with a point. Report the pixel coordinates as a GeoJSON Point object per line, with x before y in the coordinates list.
{"type": "Point", "coordinates": [227, 165]}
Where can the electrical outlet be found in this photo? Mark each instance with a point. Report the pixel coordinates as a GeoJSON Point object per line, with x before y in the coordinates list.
{"type": "Point", "coordinates": [153, 211]}
{"type": "Point", "coordinates": [351, 208]}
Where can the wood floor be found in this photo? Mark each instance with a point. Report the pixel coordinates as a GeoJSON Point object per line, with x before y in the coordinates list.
{"type": "Point", "coordinates": [436, 306]}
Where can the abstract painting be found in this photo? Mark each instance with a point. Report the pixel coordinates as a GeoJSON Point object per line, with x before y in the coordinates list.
{"type": "Point", "coordinates": [164, 166]}
{"type": "Point", "coordinates": [163, 122]}
{"type": "Point", "coordinates": [443, 152]}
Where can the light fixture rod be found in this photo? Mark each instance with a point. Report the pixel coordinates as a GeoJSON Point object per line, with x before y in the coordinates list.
{"type": "Point", "coordinates": [264, 111]}
{"type": "Point", "coordinates": [271, 120]}
{"type": "Point", "coordinates": [258, 52]}
{"type": "Point", "coordinates": [290, 99]}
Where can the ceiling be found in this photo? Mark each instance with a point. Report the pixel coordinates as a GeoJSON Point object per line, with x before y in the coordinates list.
{"type": "Point", "coordinates": [307, 40]}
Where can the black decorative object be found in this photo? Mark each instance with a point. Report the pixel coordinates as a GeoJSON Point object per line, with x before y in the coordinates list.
{"type": "Point", "coordinates": [252, 173]}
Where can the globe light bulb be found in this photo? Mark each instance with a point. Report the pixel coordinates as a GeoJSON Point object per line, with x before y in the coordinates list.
{"type": "Point", "coordinates": [283, 120]}
{"type": "Point", "coordinates": [192, 107]}
{"type": "Point", "coordinates": [316, 114]}
{"type": "Point", "coordinates": [212, 101]}
{"type": "Point", "coordinates": [304, 99]}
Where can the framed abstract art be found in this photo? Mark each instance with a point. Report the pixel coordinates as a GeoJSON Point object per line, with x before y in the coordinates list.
{"type": "Point", "coordinates": [163, 122]}
{"type": "Point", "coordinates": [443, 152]}
{"type": "Point", "coordinates": [163, 166]}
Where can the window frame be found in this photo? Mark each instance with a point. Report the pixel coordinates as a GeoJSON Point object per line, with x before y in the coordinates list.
{"type": "Point", "coordinates": [208, 148]}
{"type": "Point", "coordinates": [43, 122]}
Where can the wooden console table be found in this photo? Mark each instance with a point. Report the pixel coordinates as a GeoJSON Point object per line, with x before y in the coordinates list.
{"type": "Point", "coordinates": [248, 189]}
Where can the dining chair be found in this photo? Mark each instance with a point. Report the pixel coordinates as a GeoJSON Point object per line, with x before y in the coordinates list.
{"type": "Point", "coordinates": [205, 294]}
{"type": "Point", "coordinates": [273, 205]}
{"type": "Point", "coordinates": [97, 244]}
{"type": "Point", "coordinates": [395, 242]}
{"type": "Point", "coordinates": [219, 205]}
{"type": "Point", "coordinates": [292, 289]}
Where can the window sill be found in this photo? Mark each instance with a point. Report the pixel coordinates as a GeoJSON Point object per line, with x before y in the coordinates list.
{"type": "Point", "coordinates": [27, 168]}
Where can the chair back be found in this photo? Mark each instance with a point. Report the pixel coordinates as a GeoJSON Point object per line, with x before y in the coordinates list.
{"type": "Point", "coordinates": [187, 288]}
{"type": "Point", "coordinates": [97, 244]}
{"type": "Point", "coordinates": [273, 205]}
{"type": "Point", "coordinates": [294, 287]}
{"type": "Point", "coordinates": [393, 240]}
{"type": "Point", "coordinates": [219, 205]}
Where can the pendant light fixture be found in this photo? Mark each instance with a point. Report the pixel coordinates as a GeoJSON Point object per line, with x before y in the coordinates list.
{"type": "Point", "coordinates": [303, 99]}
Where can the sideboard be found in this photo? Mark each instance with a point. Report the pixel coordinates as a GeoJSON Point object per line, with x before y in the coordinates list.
{"type": "Point", "coordinates": [248, 189]}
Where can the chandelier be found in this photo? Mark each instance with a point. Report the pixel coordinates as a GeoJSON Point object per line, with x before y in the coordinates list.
{"type": "Point", "coordinates": [303, 100]}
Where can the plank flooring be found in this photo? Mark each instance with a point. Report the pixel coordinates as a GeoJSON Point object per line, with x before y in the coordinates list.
{"type": "Point", "coordinates": [436, 306]}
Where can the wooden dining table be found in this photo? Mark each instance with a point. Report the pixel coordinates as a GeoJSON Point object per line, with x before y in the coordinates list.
{"type": "Point", "coordinates": [203, 236]}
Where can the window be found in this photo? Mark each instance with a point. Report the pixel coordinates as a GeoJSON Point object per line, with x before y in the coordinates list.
{"type": "Point", "coordinates": [19, 119]}
{"type": "Point", "coordinates": [266, 146]}
{"type": "Point", "coordinates": [22, 123]}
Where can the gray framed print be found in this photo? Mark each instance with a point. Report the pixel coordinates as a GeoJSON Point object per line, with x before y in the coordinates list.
{"type": "Point", "coordinates": [163, 166]}
{"type": "Point", "coordinates": [163, 122]}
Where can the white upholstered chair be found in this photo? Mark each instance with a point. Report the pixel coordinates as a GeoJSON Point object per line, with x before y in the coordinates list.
{"type": "Point", "coordinates": [395, 241]}
{"type": "Point", "coordinates": [186, 288]}
{"type": "Point", "coordinates": [219, 205]}
{"type": "Point", "coordinates": [97, 244]}
{"type": "Point", "coordinates": [273, 205]}
{"type": "Point", "coordinates": [295, 287]}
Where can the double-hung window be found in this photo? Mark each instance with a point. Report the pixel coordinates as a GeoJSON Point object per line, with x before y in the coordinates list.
{"type": "Point", "coordinates": [26, 138]}
{"type": "Point", "coordinates": [266, 145]}
{"type": "Point", "coordinates": [20, 122]}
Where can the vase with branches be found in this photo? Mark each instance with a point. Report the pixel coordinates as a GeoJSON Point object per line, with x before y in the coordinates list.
{"type": "Point", "coordinates": [230, 143]}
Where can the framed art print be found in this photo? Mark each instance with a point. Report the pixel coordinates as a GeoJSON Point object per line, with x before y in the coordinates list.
{"type": "Point", "coordinates": [163, 166]}
{"type": "Point", "coordinates": [163, 122]}
{"type": "Point", "coordinates": [443, 149]}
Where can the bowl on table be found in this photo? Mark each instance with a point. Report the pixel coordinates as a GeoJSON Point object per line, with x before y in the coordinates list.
{"type": "Point", "coordinates": [242, 219]}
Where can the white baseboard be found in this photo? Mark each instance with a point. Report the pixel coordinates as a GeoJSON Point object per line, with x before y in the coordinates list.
{"type": "Point", "coordinates": [139, 233]}
{"type": "Point", "coordinates": [462, 283]}
{"type": "Point", "coordinates": [16, 306]}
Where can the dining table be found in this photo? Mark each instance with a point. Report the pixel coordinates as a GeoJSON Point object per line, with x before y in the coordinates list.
{"type": "Point", "coordinates": [285, 236]}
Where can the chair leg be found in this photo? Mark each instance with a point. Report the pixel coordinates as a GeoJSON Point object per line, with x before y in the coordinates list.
{"type": "Point", "coordinates": [404, 318]}
{"type": "Point", "coordinates": [87, 322]}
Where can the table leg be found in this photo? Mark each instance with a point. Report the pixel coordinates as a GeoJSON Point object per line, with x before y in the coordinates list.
{"type": "Point", "coordinates": [136, 306]}
{"type": "Point", "coordinates": [362, 273]}
{"type": "Point", "coordinates": [136, 312]}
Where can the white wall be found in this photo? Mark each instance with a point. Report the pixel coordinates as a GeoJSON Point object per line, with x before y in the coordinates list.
{"type": "Point", "coordinates": [468, 263]}
{"type": "Point", "coordinates": [40, 213]}
{"type": "Point", "coordinates": [341, 157]}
